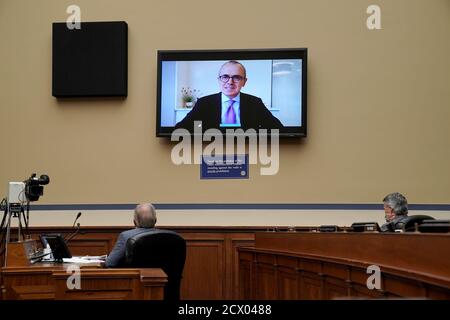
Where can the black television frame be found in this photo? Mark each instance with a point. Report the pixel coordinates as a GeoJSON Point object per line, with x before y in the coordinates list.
{"type": "Point", "coordinates": [235, 54]}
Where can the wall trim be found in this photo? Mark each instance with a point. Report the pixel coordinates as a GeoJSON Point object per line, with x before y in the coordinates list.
{"type": "Point", "coordinates": [238, 206]}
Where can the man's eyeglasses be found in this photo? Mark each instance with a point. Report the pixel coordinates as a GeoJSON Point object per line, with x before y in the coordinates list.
{"type": "Point", "coordinates": [226, 78]}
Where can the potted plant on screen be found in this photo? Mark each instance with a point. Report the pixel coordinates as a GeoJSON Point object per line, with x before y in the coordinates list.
{"type": "Point", "coordinates": [189, 96]}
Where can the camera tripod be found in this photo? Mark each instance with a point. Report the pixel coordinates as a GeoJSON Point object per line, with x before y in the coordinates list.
{"type": "Point", "coordinates": [12, 210]}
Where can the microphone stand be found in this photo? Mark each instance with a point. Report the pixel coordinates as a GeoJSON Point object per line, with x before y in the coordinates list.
{"type": "Point", "coordinates": [72, 235]}
{"type": "Point", "coordinates": [77, 217]}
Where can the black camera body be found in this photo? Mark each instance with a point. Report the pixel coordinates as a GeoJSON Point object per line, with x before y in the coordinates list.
{"type": "Point", "coordinates": [34, 186]}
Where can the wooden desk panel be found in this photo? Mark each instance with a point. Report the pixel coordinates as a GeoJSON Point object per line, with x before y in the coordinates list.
{"type": "Point", "coordinates": [212, 263]}
{"type": "Point", "coordinates": [333, 265]}
{"type": "Point", "coordinates": [50, 282]}
{"type": "Point", "coordinates": [424, 253]}
{"type": "Point", "coordinates": [213, 258]}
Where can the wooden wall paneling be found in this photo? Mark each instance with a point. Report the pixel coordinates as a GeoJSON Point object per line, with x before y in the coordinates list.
{"type": "Point", "coordinates": [299, 280]}
{"type": "Point", "coordinates": [403, 287]}
{"type": "Point", "coordinates": [245, 276]}
{"type": "Point", "coordinates": [335, 288]}
{"type": "Point", "coordinates": [153, 281]}
{"type": "Point", "coordinates": [18, 284]}
{"type": "Point", "coordinates": [358, 280]}
{"type": "Point", "coordinates": [234, 242]}
{"type": "Point", "coordinates": [248, 272]}
{"type": "Point", "coordinates": [266, 280]}
{"type": "Point", "coordinates": [433, 292]}
{"type": "Point", "coordinates": [335, 277]}
{"type": "Point", "coordinates": [288, 284]}
{"type": "Point", "coordinates": [362, 292]}
{"type": "Point", "coordinates": [92, 244]}
{"type": "Point", "coordinates": [49, 281]}
{"type": "Point", "coordinates": [312, 282]}
{"type": "Point", "coordinates": [287, 277]}
{"type": "Point", "coordinates": [335, 270]}
{"type": "Point", "coordinates": [372, 248]}
{"type": "Point", "coordinates": [112, 288]}
{"type": "Point", "coordinates": [326, 275]}
{"type": "Point", "coordinates": [311, 288]}
{"type": "Point", "coordinates": [112, 284]}
{"type": "Point", "coordinates": [311, 266]}
{"type": "Point", "coordinates": [348, 281]}
{"type": "Point", "coordinates": [204, 271]}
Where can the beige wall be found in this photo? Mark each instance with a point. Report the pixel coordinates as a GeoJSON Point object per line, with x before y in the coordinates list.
{"type": "Point", "coordinates": [378, 103]}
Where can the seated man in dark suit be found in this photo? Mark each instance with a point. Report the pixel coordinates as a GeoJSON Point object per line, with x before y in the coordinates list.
{"type": "Point", "coordinates": [230, 107]}
{"type": "Point", "coordinates": [396, 211]}
{"type": "Point", "coordinates": [144, 220]}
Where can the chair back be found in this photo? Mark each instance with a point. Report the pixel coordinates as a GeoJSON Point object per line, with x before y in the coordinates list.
{"type": "Point", "coordinates": [163, 249]}
{"type": "Point", "coordinates": [409, 222]}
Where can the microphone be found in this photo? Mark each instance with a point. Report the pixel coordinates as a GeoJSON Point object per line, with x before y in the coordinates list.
{"type": "Point", "coordinates": [78, 216]}
{"type": "Point", "coordinates": [73, 234]}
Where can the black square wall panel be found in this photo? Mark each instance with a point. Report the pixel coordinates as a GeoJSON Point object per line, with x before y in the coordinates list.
{"type": "Point", "coordinates": [91, 61]}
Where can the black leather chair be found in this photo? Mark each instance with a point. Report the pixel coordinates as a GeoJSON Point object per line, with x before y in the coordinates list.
{"type": "Point", "coordinates": [408, 223]}
{"type": "Point", "coordinates": [163, 249]}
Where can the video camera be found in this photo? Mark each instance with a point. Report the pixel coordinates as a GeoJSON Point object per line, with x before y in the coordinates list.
{"type": "Point", "coordinates": [28, 190]}
{"type": "Point", "coordinates": [34, 186]}
{"type": "Point", "coordinates": [17, 205]}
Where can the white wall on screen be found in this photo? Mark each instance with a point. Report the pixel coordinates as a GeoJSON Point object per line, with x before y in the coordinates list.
{"type": "Point", "coordinates": [168, 101]}
{"type": "Point", "coordinates": [286, 94]}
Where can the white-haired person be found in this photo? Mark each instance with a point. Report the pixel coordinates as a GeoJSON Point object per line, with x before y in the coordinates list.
{"type": "Point", "coordinates": [144, 220]}
{"type": "Point", "coordinates": [395, 211]}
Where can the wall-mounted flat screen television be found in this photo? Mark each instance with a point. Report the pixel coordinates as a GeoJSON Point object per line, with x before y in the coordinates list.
{"type": "Point", "coordinates": [247, 89]}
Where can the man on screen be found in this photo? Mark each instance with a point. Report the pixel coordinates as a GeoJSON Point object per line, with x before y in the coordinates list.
{"type": "Point", "coordinates": [230, 107]}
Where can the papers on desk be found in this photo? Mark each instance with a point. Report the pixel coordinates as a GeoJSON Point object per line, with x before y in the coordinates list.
{"type": "Point", "coordinates": [85, 259]}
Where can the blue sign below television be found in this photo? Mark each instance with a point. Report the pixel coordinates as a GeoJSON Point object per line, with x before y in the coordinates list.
{"type": "Point", "coordinates": [223, 167]}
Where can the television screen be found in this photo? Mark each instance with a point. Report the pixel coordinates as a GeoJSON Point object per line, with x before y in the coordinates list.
{"type": "Point", "coordinates": [259, 89]}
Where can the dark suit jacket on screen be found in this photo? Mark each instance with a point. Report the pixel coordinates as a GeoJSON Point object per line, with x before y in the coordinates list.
{"type": "Point", "coordinates": [253, 113]}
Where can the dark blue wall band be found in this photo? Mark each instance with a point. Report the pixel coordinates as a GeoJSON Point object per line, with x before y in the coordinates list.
{"type": "Point", "coordinates": [236, 206]}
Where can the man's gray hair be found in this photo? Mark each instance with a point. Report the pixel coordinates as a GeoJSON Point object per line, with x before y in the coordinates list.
{"type": "Point", "coordinates": [145, 215]}
{"type": "Point", "coordinates": [397, 202]}
{"type": "Point", "coordinates": [234, 62]}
